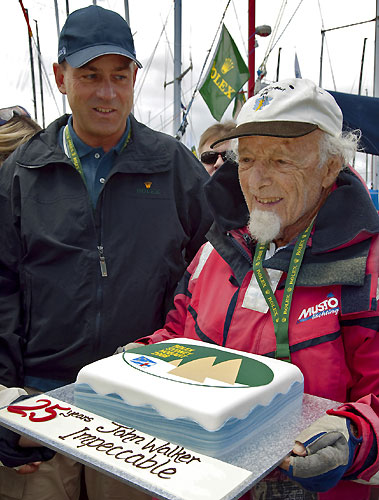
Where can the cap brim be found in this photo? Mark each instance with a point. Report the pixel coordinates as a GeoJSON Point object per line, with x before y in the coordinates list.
{"type": "Point", "coordinates": [273, 129]}
{"type": "Point", "coordinates": [82, 57]}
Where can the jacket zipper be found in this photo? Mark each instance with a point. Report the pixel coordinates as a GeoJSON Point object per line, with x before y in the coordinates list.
{"type": "Point", "coordinates": [100, 248]}
{"type": "Point", "coordinates": [103, 264]}
{"type": "Point", "coordinates": [240, 248]}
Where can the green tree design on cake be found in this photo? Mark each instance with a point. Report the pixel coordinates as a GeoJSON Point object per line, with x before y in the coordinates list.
{"type": "Point", "coordinates": [196, 363]}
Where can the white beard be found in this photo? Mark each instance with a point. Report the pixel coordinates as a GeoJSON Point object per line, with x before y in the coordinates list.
{"type": "Point", "coordinates": [264, 226]}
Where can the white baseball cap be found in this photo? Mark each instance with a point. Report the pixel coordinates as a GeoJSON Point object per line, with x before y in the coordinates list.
{"type": "Point", "coordinates": [289, 108]}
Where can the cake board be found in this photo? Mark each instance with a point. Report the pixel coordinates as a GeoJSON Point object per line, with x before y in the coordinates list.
{"type": "Point", "coordinates": [162, 469]}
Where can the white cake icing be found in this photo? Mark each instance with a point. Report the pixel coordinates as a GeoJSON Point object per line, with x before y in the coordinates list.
{"type": "Point", "coordinates": [196, 394]}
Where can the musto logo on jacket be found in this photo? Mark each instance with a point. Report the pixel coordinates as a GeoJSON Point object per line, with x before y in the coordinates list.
{"type": "Point", "coordinates": [328, 306]}
{"type": "Point", "coordinates": [193, 364]}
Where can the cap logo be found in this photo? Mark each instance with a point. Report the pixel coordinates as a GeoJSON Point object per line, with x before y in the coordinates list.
{"type": "Point", "coordinates": [227, 66]}
{"type": "Point", "coordinates": [262, 102]}
{"type": "Point", "coordinates": [62, 52]}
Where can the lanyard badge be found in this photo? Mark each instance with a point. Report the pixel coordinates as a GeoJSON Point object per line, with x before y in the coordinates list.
{"type": "Point", "coordinates": [280, 315]}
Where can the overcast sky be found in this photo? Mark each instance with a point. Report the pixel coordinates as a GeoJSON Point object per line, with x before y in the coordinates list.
{"type": "Point", "coordinates": [201, 18]}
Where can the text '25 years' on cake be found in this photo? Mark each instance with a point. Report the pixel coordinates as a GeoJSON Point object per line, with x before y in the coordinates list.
{"type": "Point", "coordinates": [207, 398]}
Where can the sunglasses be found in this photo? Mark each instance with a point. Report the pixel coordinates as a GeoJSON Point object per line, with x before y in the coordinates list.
{"type": "Point", "coordinates": [210, 157]}
{"type": "Point", "coordinates": [7, 114]}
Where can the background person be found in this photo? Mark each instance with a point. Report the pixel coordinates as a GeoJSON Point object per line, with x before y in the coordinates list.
{"type": "Point", "coordinates": [100, 216]}
{"type": "Point", "coordinates": [213, 158]}
{"type": "Point", "coordinates": [7, 113]}
{"type": "Point", "coordinates": [296, 214]}
{"type": "Point", "coordinates": [15, 128]}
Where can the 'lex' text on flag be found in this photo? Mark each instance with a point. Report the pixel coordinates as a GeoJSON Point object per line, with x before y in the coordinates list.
{"type": "Point", "coordinates": [226, 76]}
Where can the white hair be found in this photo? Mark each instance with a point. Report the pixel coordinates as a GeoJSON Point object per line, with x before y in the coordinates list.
{"type": "Point", "coordinates": [345, 146]}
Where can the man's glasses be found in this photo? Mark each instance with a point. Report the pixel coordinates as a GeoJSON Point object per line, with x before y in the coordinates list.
{"type": "Point", "coordinates": [210, 157]}
{"type": "Point", "coordinates": [7, 114]}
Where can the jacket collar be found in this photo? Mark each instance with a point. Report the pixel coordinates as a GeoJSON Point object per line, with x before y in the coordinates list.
{"type": "Point", "coordinates": [147, 151]}
{"type": "Point", "coordinates": [348, 216]}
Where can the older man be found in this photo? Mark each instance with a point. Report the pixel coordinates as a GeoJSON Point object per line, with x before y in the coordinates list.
{"type": "Point", "coordinates": [295, 220]}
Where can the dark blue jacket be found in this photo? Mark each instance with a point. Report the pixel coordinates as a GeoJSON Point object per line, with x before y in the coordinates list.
{"type": "Point", "coordinates": [57, 311]}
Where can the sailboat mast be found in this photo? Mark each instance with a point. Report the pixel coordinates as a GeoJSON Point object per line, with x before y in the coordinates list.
{"type": "Point", "coordinates": [251, 48]}
{"type": "Point", "coordinates": [177, 64]}
{"type": "Point", "coordinates": [58, 32]}
{"type": "Point", "coordinates": [40, 76]}
{"type": "Point", "coordinates": [126, 8]}
{"type": "Point", "coordinates": [375, 167]}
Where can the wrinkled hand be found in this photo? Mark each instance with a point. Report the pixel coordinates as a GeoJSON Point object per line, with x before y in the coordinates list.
{"type": "Point", "coordinates": [322, 453]}
{"type": "Point", "coordinates": [128, 347]}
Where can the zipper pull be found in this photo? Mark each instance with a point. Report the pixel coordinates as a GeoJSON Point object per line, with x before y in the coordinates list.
{"type": "Point", "coordinates": [103, 265]}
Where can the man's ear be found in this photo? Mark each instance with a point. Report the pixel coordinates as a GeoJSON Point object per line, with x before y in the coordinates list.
{"type": "Point", "coordinates": [332, 168]}
{"type": "Point", "coordinates": [135, 74]}
{"type": "Point", "coordinates": [59, 77]}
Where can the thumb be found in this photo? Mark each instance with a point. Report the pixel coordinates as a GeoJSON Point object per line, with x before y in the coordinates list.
{"type": "Point", "coordinates": [299, 449]}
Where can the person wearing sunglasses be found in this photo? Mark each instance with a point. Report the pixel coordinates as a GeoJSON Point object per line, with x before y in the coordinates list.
{"type": "Point", "coordinates": [212, 159]}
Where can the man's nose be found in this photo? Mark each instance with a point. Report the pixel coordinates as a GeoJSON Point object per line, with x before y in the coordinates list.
{"type": "Point", "coordinates": [219, 161]}
{"type": "Point", "coordinates": [260, 175]}
{"type": "Point", "coordinates": [106, 90]}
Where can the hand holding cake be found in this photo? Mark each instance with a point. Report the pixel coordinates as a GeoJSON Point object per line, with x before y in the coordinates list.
{"type": "Point", "coordinates": [322, 453]}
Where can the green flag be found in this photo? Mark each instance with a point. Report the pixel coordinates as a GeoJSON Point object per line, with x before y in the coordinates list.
{"type": "Point", "coordinates": [226, 76]}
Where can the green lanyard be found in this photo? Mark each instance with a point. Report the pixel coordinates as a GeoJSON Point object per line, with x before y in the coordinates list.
{"type": "Point", "coordinates": [70, 150]}
{"type": "Point", "coordinates": [279, 315]}
{"type": "Point", "coordinates": [74, 157]}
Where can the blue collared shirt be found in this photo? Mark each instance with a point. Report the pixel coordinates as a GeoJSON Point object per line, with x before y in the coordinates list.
{"type": "Point", "coordinates": [96, 164]}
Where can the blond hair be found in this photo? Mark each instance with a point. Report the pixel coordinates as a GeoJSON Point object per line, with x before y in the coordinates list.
{"type": "Point", "coordinates": [216, 131]}
{"type": "Point", "coordinates": [13, 133]}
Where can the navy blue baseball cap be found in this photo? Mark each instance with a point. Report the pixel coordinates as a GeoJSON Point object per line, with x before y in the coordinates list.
{"type": "Point", "coordinates": [92, 32]}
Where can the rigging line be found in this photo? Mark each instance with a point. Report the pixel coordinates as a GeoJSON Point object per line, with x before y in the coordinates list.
{"type": "Point", "coordinates": [276, 27]}
{"type": "Point", "coordinates": [272, 38]}
{"type": "Point", "coordinates": [38, 52]}
{"type": "Point", "coordinates": [327, 47]}
{"type": "Point", "coordinates": [148, 65]}
{"type": "Point", "coordinates": [172, 60]}
{"type": "Point", "coordinates": [330, 64]}
{"type": "Point", "coordinates": [45, 74]}
{"type": "Point", "coordinates": [168, 106]}
{"type": "Point", "coordinates": [239, 27]}
{"type": "Point", "coordinates": [168, 44]}
{"type": "Point", "coordinates": [165, 79]}
{"type": "Point", "coordinates": [349, 25]}
{"type": "Point", "coordinates": [181, 130]}
{"type": "Point", "coordinates": [286, 26]}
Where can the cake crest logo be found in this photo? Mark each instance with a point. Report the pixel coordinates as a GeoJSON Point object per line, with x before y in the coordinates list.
{"type": "Point", "coordinates": [199, 365]}
{"type": "Point", "coordinates": [143, 361]}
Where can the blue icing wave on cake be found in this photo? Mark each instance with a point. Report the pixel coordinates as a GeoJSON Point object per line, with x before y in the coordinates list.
{"type": "Point", "coordinates": [187, 432]}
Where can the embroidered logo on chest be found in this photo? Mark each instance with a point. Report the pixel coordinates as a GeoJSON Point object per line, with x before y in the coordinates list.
{"type": "Point", "coordinates": [328, 306]}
